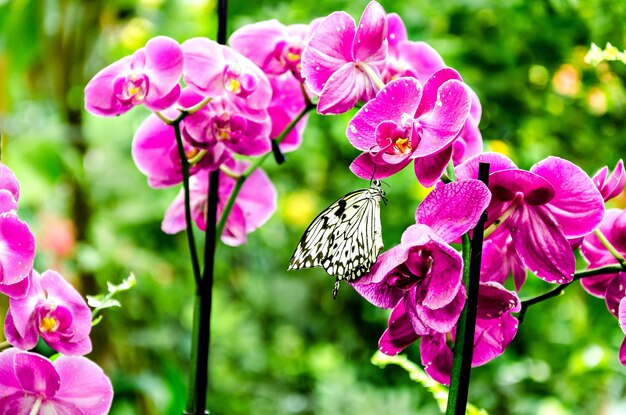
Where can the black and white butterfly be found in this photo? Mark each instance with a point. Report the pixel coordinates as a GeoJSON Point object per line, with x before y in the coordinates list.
{"type": "Point", "coordinates": [345, 238]}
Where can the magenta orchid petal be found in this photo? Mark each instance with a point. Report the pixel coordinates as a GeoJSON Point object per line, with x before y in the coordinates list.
{"type": "Point", "coordinates": [383, 285]}
{"type": "Point", "coordinates": [24, 339]}
{"type": "Point", "coordinates": [100, 98]}
{"type": "Point", "coordinates": [36, 374]}
{"type": "Point", "coordinates": [84, 384]}
{"type": "Point", "coordinates": [370, 41]}
{"type": "Point", "coordinates": [453, 209]}
{"type": "Point", "coordinates": [577, 204]}
{"type": "Point", "coordinates": [366, 168]}
{"type": "Point", "coordinates": [444, 276]}
{"type": "Point", "coordinates": [256, 202]}
{"type": "Point", "coordinates": [396, 30]}
{"type": "Point", "coordinates": [9, 383]}
{"type": "Point", "coordinates": [400, 332]}
{"type": "Point", "coordinates": [163, 65]}
{"type": "Point", "coordinates": [610, 185]}
{"type": "Point", "coordinates": [155, 153]}
{"type": "Point", "coordinates": [433, 85]}
{"type": "Point", "coordinates": [469, 168]}
{"type": "Point", "coordinates": [220, 71]}
{"type": "Point", "coordinates": [492, 337]}
{"type": "Point", "coordinates": [436, 357]}
{"type": "Point", "coordinates": [30, 383]}
{"type": "Point", "coordinates": [341, 63]}
{"type": "Point", "coordinates": [500, 259]}
{"type": "Point", "coordinates": [329, 48]}
{"type": "Point", "coordinates": [17, 251]}
{"type": "Point", "coordinates": [423, 59]}
{"type": "Point", "coordinates": [258, 42]}
{"type": "Point", "coordinates": [597, 285]}
{"type": "Point", "coordinates": [615, 292]}
{"type": "Point", "coordinates": [9, 182]}
{"type": "Point", "coordinates": [441, 320]}
{"type": "Point", "coordinates": [494, 301]}
{"type": "Point", "coordinates": [397, 101]}
{"type": "Point", "coordinates": [622, 352]}
{"type": "Point", "coordinates": [540, 243]}
{"type": "Point", "coordinates": [335, 100]}
{"type": "Point", "coordinates": [429, 169]}
{"type": "Point", "coordinates": [150, 76]}
{"type": "Point", "coordinates": [444, 123]}
{"type": "Point", "coordinates": [621, 314]}
{"type": "Point", "coordinates": [7, 201]}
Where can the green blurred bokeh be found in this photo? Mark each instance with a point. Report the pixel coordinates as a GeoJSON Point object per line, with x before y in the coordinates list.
{"type": "Point", "coordinates": [280, 344]}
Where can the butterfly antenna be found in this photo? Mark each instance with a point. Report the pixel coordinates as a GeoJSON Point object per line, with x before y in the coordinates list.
{"type": "Point", "coordinates": [336, 288]}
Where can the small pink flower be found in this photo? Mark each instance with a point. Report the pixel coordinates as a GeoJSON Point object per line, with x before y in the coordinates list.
{"type": "Point", "coordinates": [150, 77]}
{"type": "Point", "coordinates": [287, 103]}
{"type": "Point", "coordinates": [254, 205]}
{"type": "Point", "coordinates": [53, 309]}
{"type": "Point", "coordinates": [340, 59]}
{"type": "Point", "coordinates": [31, 384]}
{"type": "Point", "coordinates": [610, 185]}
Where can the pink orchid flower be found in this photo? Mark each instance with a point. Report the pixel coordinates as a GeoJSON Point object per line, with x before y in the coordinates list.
{"type": "Point", "coordinates": [407, 122]}
{"type": "Point", "coordinates": [32, 384]}
{"type": "Point", "coordinates": [342, 61]}
{"type": "Point", "coordinates": [424, 272]}
{"type": "Point", "coordinates": [17, 255]}
{"type": "Point", "coordinates": [541, 209]}
{"type": "Point", "coordinates": [150, 77]}
{"type": "Point", "coordinates": [53, 309]}
{"type": "Point", "coordinates": [610, 185]}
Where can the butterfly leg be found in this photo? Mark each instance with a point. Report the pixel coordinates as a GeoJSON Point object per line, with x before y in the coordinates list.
{"type": "Point", "coordinates": [336, 288]}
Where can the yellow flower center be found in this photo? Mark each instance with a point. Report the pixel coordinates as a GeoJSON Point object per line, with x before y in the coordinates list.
{"type": "Point", "coordinates": [402, 144]}
{"type": "Point", "coordinates": [48, 324]}
{"type": "Point", "coordinates": [233, 86]}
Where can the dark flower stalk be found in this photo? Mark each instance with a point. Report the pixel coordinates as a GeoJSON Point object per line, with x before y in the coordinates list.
{"type": "Point", "coordinates": [464, 346]}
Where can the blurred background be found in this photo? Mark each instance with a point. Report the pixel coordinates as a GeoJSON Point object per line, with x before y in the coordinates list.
{"type": "Point", "coordinates": [281, 345]}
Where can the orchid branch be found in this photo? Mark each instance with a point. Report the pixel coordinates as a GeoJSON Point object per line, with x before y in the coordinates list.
{"type": "Point", "coordinates": [609, 269]}
{"type": "Point", "coordinates": [4, 345]}
{"type": "Point", "coordinates": [609, 246]}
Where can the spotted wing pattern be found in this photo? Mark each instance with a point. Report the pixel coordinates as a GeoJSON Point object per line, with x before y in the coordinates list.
{"type": "Point", "coordinates": [345, 238]}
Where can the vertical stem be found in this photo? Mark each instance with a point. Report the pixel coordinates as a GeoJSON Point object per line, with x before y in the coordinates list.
{"type": "Point", "coordinates": [466, 326]}
{"type": "Point", "coordinates": [204, 290]}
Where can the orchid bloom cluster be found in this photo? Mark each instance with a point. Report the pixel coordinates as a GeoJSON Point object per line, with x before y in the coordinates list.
{"type": "Point", "coordinates": [222, 102]}
{"type": "Point", "coordinates": [42, 306]}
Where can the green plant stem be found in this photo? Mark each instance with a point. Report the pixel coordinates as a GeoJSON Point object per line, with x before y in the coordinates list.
{"type": "Point", "coordinates": [4, 345]}
{"type": "Point", "coordinates": [609, 269]}
{"type": "Point", "coordinates": [609, 246]}
{"type": "Point", "coordinates": [466, 326]}
{"type": "Point", "coordinates": [255, 165]}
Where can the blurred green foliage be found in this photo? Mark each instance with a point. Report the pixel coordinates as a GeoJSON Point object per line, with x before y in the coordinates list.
{"type": "Point", "coordinates": [281, 345]}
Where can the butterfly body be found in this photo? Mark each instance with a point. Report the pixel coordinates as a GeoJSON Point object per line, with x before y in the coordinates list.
{"type": "Point", "coordinates": [345, 238]}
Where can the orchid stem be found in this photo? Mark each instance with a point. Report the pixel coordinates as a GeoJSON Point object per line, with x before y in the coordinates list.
{"type": "Point", "coordinates": [4, 345]}
{"type": "Point", "coordinates": [195, 264]}
{"type": "Point", "coordinates": [203, 301]}
{"type": "Point", "coordinates": [466, 326]}
{"type": "Point", "coordinates": [609, 269]}
{"type": "Point", "coordinates": [609, 246]}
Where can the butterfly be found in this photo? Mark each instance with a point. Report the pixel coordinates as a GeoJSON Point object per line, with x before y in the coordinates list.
{"type": "Point", "coordinates": [345, 238]}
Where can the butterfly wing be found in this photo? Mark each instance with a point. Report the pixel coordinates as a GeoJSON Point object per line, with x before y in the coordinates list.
{"type": "Point", "coordinates": [345, 238]}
